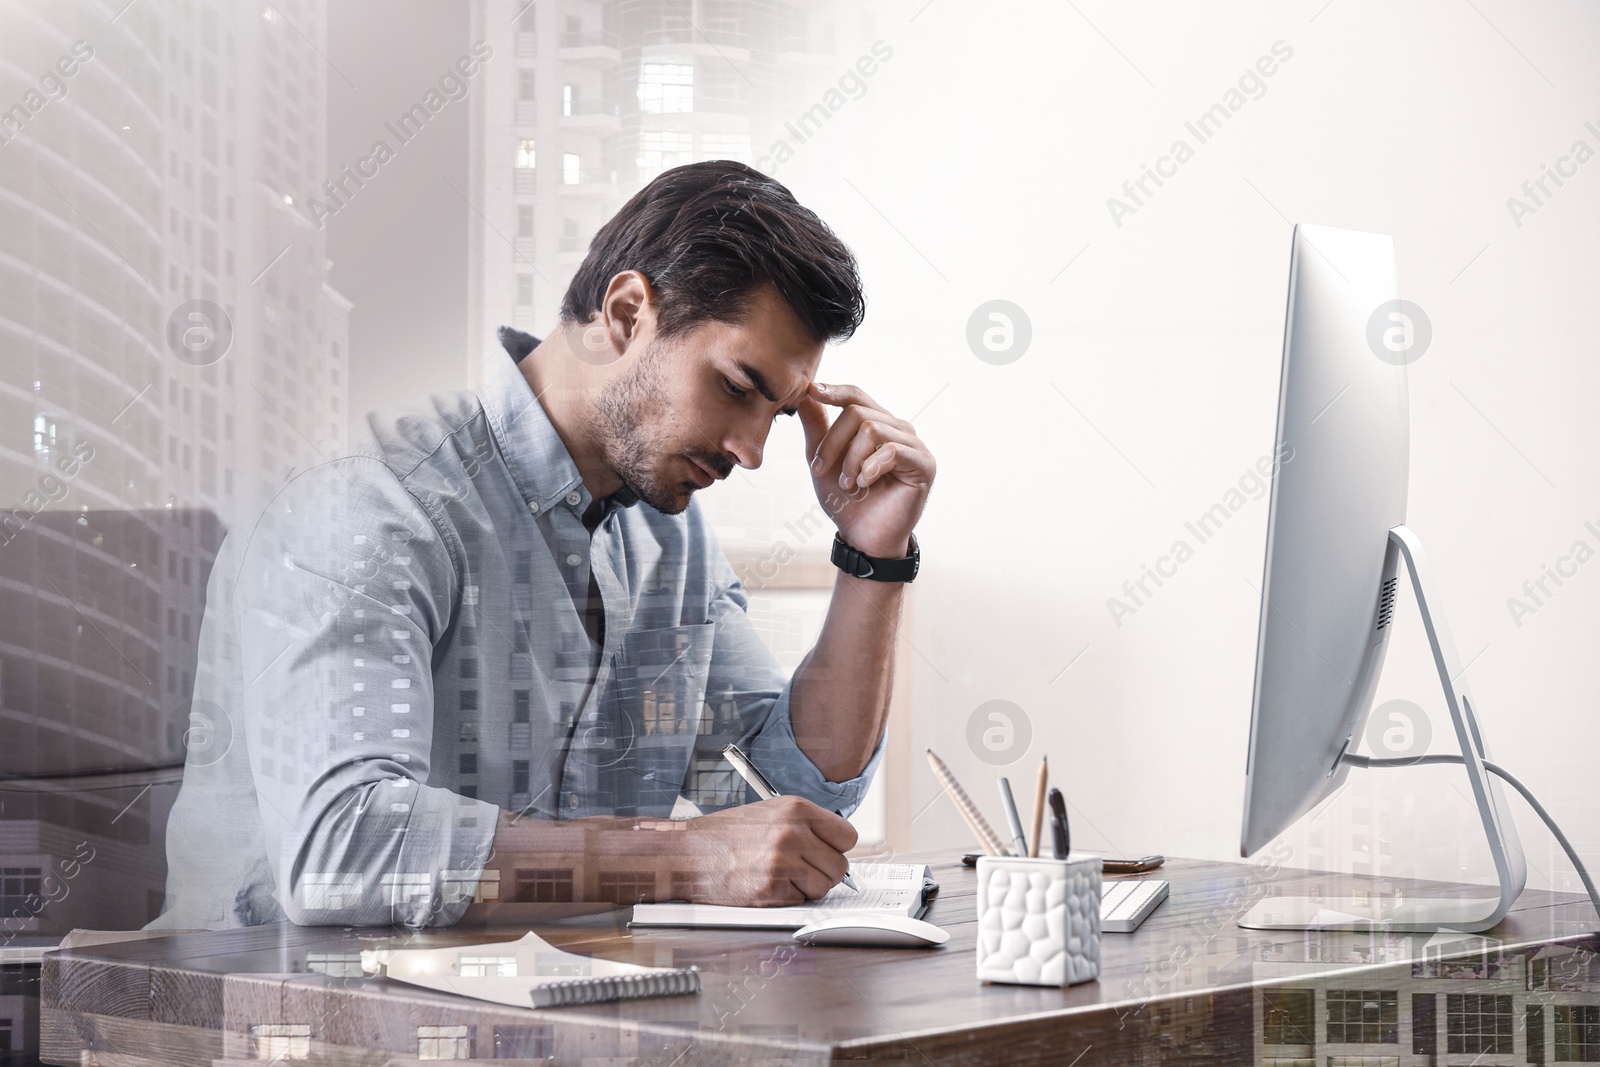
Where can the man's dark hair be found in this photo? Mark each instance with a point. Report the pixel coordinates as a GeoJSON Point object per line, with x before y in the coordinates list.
{"type": "Point", "coordinates": [706, 235]}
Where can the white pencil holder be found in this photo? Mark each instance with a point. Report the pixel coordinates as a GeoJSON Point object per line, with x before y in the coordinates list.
{"type": "Point", "coordinates": [1038, 920]}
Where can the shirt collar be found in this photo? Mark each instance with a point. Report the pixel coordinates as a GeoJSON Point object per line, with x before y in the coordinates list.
{"type": "Point", "coordinates": [537, 458]}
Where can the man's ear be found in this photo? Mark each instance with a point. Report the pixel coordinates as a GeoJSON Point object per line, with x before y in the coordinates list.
{"type": "Point", "coordinates": [627, 313]}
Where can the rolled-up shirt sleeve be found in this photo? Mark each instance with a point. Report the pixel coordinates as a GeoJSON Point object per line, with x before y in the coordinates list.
{"type": "Point", "coordinates": [344, 590]}
{"type": "Point", "coordinates": [743, 668]}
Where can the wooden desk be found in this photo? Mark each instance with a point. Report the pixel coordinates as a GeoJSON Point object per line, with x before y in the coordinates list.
{"type": "Point", "coordinates": [1189, 987]}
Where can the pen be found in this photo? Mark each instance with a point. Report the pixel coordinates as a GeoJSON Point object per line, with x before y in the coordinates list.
{"type": "Point", "coordinates": [1019, 841]}
{"type": "Point", "coordinates": [969, 811]}
{"type": "Point", "coordinates": [1058, 824]}
{"type": "Point", "coordinates": [1037, 839]}
{"type": "Point", "coordinates": [758, 781]}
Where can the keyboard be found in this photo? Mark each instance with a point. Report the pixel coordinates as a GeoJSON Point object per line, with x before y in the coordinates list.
{"type": "Point", "coordinates": [1126, 903]}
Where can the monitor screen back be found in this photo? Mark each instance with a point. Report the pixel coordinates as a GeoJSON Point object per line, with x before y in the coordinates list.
{"type": "Point", "coordinates": [1339, 486]}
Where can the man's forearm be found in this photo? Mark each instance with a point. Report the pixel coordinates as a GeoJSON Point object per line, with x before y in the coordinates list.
{"type": "Point", "coordinates": [550, 851]}
{"type": "Point", "coordinates": [839, 700]}
{"type": "Point", "coordinates": [778, 851]}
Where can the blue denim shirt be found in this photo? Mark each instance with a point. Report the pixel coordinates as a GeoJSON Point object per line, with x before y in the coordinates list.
{"type": "Point", "coordinates": [396, 650]}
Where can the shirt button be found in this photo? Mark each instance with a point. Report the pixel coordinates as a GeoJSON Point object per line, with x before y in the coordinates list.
{"type": "Point", "coordinates": [574, 498]}
{"type": "Point", "coordinates": [533, 506]}
{"type": "Point", "coordinates": [573, 559]}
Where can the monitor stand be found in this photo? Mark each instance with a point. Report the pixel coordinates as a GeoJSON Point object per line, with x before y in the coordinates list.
{"type": "Point", "coordinates": [1469, 908]}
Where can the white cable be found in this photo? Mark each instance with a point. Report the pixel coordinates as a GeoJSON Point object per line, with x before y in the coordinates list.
{"type": "Point", "coordinates": [1510, 779]}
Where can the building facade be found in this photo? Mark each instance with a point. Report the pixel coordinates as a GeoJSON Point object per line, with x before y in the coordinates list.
{"type": "Point", "coordinates": [169, 348]}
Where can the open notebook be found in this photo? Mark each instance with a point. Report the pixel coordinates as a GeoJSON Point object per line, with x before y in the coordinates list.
{"type": "Point", "coordinates": [528, 972]}
{"type": "Point", "coordinates": [898, 888]}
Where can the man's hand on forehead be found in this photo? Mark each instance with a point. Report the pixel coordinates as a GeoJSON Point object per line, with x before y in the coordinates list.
{"type": "Point", "coordinates": [871, 471]}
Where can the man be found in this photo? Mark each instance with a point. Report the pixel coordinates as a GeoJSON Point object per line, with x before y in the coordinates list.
{"type": "Point", "coordinates": [489, 654]}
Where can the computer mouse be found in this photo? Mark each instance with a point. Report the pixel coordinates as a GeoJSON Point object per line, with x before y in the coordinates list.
{"type": "Point", "coordinates": [873, 931]}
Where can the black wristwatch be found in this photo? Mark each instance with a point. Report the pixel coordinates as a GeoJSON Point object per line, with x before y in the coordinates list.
{"type": "Point", "coordinates": [859, 565]}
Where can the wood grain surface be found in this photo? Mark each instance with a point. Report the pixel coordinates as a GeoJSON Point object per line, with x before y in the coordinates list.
{"type": "Point", "coordinates": [1185, 988]}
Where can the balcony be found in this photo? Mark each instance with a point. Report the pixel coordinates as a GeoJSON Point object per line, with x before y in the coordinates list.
{"type": "Point", "coordinates": [592, 116]}
{"type": "Point", "coordinates": [735, 54]}
{"type": "Point", "coordinates": [524, 183]}
{"type": "Point", "coordinates": [588, 182]}
{"type": "Point", "coordinates": [527, 113]}
{"type": "Point", "coordinates": [527, 46]}
{"type": "Point", "coordinates": [589, 50]}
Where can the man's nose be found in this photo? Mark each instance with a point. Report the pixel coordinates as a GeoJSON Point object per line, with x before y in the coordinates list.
{"type": "Point", "coordinates": [746, 445]}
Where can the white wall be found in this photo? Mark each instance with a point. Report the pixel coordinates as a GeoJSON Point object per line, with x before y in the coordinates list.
{"type": "Point", "coordinates": [978, 164]}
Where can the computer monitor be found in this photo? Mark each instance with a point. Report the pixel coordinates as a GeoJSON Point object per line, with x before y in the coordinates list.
{"type": "Point", "coordinates": [1335, 534]}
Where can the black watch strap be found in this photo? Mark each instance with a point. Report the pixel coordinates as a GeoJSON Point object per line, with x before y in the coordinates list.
{"type": "Point", "coordinates": [859, 565]}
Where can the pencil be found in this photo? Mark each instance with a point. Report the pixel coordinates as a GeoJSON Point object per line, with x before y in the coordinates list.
{"type": "Point", "coordinates": [969, 811]}
{"type": "Point", "coordinates": [1038, 806]}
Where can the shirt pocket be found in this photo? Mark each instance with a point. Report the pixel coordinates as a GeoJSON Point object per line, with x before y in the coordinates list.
{"type": "Point", "coordinates": [655, 706]}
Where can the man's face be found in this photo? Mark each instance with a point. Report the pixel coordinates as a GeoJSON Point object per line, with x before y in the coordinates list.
{"type": "Point", "coordinates": [690, 408]}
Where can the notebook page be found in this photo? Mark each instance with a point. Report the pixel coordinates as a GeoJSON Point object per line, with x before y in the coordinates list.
{"type": "Point", "coordinates": [885, 887]}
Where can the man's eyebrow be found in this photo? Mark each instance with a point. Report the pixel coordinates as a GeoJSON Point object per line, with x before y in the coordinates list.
{"type": "Point", "coordinates": [758, 380]}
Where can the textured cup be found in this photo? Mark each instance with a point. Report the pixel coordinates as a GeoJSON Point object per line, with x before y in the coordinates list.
{"type": "Point", "coordinates": [1038, 920]}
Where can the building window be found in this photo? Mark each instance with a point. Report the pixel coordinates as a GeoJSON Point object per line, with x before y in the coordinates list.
{"type": "Point", "coordinates": [469, 763]}
{"type": "Point", "coordinates": [571, 169]}
{"type": "Point", "coordinates": [1481, 1023]}
{"type": "Point", "coordinates": [487, 966]}
{"type": "Point", "coordinates": [1363, 1016]}
{"type": "Point", "coordinates": [567, 93]}
{"type": "Point", "coordinates": [666, 86]}
{"type": "Point", "coordinates": [1577, 1033]}
{"type": "Point", "coordinates": [443, 1043]}
{"type": "Point", "coordinates": [660, 150]}
{"type": "Point", "coordinates": [474, 886]}
{"type": "Point", "coordinates": [715, 784]}
{"type": "Point", "coordinates": [402, 889]}
{"type": "Point", "coordinates": [544, 887]}
{"type": "Point", "coordinates": [519, 705]}
{"type": "Point", "coordinates": [280, 1041]}
{"type": "Point", "coordinates": [335, 964]}
{"type": "Point", "coordinates": [1534, 1019]}
{"type": "Point", "coordinates": [735, 146]}
{"type": "Point", "coordinates": [1287, 1017]}
{"type": "Point", "coordinates": [627, 887]}
{"type": "Point", "coordinates": [1424, 1024]}
{"type": "Point", "coordinates": [569, 235]}
{"type": "Point", "coordinates": [687, 885]}
{"type": "Point", "coordinates": [525, 81]}
{"type": "Point", "coordinates": [17, 884]}
{"type": "Point", "coordinates": [519, 776]}
{"type": "Point", "coordinates": [524, 289]}
{"type": "Point", "coordinates": [327, 891]}
{"type": "Point", "coordinates": [524, 220]}
{"type": "Point", "coordinates": [524, 1042]}
{"type": "Point", "coordinates": [525, 155]}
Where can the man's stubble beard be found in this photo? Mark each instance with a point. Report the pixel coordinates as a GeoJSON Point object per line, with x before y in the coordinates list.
{"type": "Point", "coordinates": [626, 410]}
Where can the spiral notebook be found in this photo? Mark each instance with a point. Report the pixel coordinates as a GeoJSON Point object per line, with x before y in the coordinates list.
{"type": "Point", "coordinates": [528, 972]}
{"type": "Point", "coordinates": [893, 888]}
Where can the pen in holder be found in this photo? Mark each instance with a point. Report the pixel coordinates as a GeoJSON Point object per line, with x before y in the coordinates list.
{"type": "Point", "coordinates": [1038, 920]}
